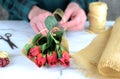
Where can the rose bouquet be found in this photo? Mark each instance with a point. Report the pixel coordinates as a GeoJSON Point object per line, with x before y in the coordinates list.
{"type": "Point", "coordinates": [51, 49]}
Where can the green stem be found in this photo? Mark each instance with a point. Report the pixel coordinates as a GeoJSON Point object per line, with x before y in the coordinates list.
{"type": "Point", "coordinates": [57, 42]}
{"type": "Point", "coordinates": [58, 48]}
{"type": "Point", "coordinates": [59, 52]}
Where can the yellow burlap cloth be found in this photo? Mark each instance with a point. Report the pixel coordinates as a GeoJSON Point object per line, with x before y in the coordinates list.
{"type": "Point", "coordinates": [101, 58]}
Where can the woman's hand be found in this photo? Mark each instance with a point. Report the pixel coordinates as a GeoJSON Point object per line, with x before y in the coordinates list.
{"type": "Point", "coordinates": [37, 18]}
{"type": "Point", "coordinates": [74, 17]}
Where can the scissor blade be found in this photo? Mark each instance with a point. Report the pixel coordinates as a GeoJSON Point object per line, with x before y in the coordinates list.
{"type": "Point", "coordinates": [12, 45]}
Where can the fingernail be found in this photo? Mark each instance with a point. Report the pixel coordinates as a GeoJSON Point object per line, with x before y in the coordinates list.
{"type": "Point", "coordinates": [61, 22]}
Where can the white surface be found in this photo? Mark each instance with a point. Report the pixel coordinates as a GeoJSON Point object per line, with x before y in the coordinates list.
{"type": "Point", "coordinates": [22, 68]}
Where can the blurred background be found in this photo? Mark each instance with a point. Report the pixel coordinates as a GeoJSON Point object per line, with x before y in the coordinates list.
{"type": "Point", "coordinates": [113, 10]}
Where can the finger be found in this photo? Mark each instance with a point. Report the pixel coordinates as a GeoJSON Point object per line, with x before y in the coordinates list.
{"type": "Point", "coordinates": [34, 25]}
{"type": "Point", "coordinates": [35, 29]}
{"type": "Point", "coordinates": [79, 26]}
{"type": "Point", "coordinates": [74, 24]}
{"type": "Point", "coordinates": [70, 23]}
{"type": "Point", "coordinates": [39, 23]}
{"type": "Point", "coordinates": [43, 29]}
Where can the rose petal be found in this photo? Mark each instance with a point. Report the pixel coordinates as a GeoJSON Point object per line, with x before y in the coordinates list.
{"type": "Point", "coordinates": [40, 60]}
{"type": "Point", "coordinates": [64, 62]}
{"type": "Point", "coordinates": [34, 51]}
{"type": "Point", "coordinates": [52, 59]}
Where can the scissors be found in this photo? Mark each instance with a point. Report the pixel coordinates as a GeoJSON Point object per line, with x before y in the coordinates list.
{"type": "Point", "coordinates": [8, 35]}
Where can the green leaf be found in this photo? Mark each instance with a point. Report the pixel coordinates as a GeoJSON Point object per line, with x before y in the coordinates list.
{"type": "Point", "coordinates": [50, 42]}
{"type": "Point", "coordinates": [50, 22]}
{"type": "Point", "coordinates": [36, 38]}
{"type": "Point", "coordinates": [26, 48]}
{"type": "Point", "coordinates": [50, 39]}
{"type": "Point", "coordinates": [42, 40]}
{"type": "Point", "coordinates": [52, 46]}
{"type": "Point", "coordinates": [44, 48]}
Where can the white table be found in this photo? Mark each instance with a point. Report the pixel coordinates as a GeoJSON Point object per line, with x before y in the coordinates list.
{"type": "Point", "coordinates": [22, 68]}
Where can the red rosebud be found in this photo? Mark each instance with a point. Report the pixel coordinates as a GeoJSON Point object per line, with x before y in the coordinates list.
{"type": "Point", "coordinates": [52, 59]}
{"type": "Point", "coordinates": [34, 52]}
{"type": "Point", "coordinates": [40, 60]}
{"type": "Point", "coordinates": [4, 62]}
{"type": "Point", "coordinates": [64, 61]}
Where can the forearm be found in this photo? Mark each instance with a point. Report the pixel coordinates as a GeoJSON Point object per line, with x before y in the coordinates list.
{"type": "Point", "coordinates": [20, 8]}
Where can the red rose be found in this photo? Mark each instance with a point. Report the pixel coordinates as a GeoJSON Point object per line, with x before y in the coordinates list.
{"type": "Point", "coordinates": [33, 52]}
{"type": "Point", "coordinates": [52, 58]}
{"type": "Point", "coordinates": [64, 61]}
{"type": "Point", "coordinates": [40, 60]}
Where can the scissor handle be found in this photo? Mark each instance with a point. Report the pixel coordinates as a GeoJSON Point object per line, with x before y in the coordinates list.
{"type": "Point", "coordinates": [8, 34]}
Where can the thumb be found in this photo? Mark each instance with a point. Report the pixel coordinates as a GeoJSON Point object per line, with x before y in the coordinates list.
{"type": "Point", "coordinates": [66, 16]}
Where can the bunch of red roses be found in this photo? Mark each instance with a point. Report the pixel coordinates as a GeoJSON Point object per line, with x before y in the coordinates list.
{"type": "Point", "coordinates": [47, 50]}
{"type": "Point", "coordinates": [51, 58]}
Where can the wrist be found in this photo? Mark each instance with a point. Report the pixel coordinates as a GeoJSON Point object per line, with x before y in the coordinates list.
{"type": "Point", "coordinates": [33, 12]}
